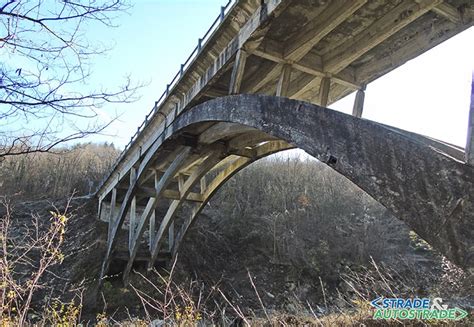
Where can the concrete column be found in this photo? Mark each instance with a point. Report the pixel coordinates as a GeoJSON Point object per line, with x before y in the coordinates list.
{"type": "Point", "coordinates": [171, 236]}
{"type": "Point", "coordinates": [324, 91]}
{"type": "Point", "coordinates": [470, 130]}
{"type": "Point", "coordinates": [151, 233]}
{"type": "Point", "coordinates": [237, 72]}
{"type": "Point", "coordinates": [133, 210]}
{"type": "Point", "coordinates": [203, 184]}
{"type": "Point", "coordinates": [111, 218]}
{"type": "Point", "coordinates": [133, 222]}
{"type": "Point", "coordinates": [284, 81]}
{"type": "Point", "coordinates": [359, 103]}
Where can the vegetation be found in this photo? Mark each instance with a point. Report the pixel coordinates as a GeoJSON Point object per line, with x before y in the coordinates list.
{"type": "Point", "coordinates": [26, 258]}
{"type": "Point", "coordinates": [78, 169]}
{"type": "Point", "coordinates": [286, 242]}
{"type": "Point", "coordinates": [324, 242]}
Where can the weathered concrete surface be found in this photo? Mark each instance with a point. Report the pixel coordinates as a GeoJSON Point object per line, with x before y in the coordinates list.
{"type": "Point", "coordinates": [430, 191]}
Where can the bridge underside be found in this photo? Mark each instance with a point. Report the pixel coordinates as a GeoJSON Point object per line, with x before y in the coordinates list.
{"type": "Point", "coordinates": [425, 183]}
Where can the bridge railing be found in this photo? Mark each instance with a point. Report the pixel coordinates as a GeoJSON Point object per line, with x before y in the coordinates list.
{"type": "Point", "coordinates": [169, 87]}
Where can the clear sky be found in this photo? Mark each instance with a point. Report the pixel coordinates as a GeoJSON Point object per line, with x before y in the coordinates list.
{"type": "Point", "coordinates": [428, 95]}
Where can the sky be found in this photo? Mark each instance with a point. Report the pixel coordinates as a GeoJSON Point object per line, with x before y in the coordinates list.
{"type": "Point", "coordinates": [429, 95]}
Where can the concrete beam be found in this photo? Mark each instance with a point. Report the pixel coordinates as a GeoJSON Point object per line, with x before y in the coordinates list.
{"type": "Point", "coordinates": [421, 42]}
{"type": "Point", "coordinates": [316, 70]}
{"type": "Point", "coordinates": [221, 130]}
{"type": "Point", "coordinates": [261, 78]}
{"type": "Point", "coordinates": [313, 32]}
{"type": "Point", "coordinates": [449, 12]}
{"type": "Point", "coordinates": [379, 31]}
{"type": "Point", "coordinates": [168, 194]}
{"type": "Point", "coordinates": [470, 130]}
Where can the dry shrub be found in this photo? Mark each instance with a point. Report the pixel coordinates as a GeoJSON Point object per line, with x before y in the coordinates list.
{"type": "Point", "coordinates": [25, 259]}
{"type": "Point", "coordinates": [77, 169]}
{"type": "Point", "coordinates": [176, 304]}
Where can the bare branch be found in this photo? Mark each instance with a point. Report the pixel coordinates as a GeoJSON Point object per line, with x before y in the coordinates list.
{"type": "Point", "coordinates": [47, 70]}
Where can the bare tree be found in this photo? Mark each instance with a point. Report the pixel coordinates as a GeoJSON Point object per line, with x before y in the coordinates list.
{"type": "Point", "coordinates": [44, 97]}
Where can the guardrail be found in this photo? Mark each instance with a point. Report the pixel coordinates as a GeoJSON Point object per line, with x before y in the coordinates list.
{"type": "Point", "coordinates": [182, 70]}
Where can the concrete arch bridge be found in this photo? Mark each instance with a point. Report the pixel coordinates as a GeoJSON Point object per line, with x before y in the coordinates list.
{"type": "Point", "coordinates": [423, 182]}
{"type": "Point", "coordinates": [259, 82]}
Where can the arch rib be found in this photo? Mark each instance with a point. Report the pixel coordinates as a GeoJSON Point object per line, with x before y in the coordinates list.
{"type": "Point", "coordinates": [195, 177]}
{"type": "Point", "coordinates": [135, 175]}
{"type": "Point", "coordinates": [419, 182]}
{"type": "Point", "coordinates": [221, 178]}
{"type": "Point", "coordinates": [160, 187]}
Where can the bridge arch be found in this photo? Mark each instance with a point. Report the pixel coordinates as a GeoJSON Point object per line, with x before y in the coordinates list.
{"type": "Point", "coordinates": [421, 181]}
